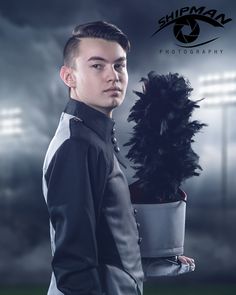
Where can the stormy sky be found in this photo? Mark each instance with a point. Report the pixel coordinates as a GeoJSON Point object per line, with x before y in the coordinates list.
{"type": "Point", "coordinates": [32, 38]}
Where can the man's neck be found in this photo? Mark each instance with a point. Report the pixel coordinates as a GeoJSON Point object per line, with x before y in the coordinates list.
{"type": "Point", "coordinates": [105, 111]}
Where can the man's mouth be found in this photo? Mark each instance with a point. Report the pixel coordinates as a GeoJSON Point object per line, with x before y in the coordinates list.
{"type": "Point", "coordinates": [113, 89]}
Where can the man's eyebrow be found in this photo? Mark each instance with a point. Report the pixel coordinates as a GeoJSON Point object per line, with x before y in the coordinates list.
{"type": "Point", "coordinates": [122, 58]}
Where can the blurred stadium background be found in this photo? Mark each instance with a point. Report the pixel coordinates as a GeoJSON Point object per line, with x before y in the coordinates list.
{"type": "Point", "coordinates": [32, 98]}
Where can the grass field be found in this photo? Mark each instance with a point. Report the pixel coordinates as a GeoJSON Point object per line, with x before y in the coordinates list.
{"type": "Point", "coordinates": [161, 290]}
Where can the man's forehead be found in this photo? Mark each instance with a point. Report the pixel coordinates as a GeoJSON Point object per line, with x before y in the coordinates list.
{"type": "Point", "coordinates": [92, 49]}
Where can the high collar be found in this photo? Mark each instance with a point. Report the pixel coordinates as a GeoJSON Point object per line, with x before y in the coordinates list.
{"type": "Point", "coordinates": [92, 118]}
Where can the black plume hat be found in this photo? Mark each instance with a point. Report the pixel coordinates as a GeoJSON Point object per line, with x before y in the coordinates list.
{"type": "Point", "coordinates": [163, 134]}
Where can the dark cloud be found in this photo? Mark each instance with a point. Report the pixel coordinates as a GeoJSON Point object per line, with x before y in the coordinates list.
{"type": "Point", "coordinates": [41, 14]}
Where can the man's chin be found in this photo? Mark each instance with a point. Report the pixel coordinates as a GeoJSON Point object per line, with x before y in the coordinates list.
{"type": "Point", "coordinates": [115, 101]}
{"type": "Point", "coordinates": [110, 103]}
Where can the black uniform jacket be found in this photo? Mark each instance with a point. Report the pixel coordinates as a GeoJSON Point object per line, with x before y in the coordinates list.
{"type": "Point", "coordinates": [94, 235]}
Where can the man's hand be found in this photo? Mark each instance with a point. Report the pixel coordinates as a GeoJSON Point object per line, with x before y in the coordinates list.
{"type": "Point", "coordinates": [186, 260]}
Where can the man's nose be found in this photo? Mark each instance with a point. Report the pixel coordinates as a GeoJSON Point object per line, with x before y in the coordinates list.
{"type": "Point", "coordinates": [112, 74]}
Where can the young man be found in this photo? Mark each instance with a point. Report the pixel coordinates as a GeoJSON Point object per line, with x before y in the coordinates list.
{"type": "Point", "coordinates": [94, 235]}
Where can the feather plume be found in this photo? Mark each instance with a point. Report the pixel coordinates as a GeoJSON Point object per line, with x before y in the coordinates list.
{"type": "Point", "coordinates": [161, 142]}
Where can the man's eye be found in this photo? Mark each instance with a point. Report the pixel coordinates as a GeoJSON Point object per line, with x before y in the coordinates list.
{"type": "Point", "coordinates": [119, 66]}
{"type": "Point", "coordinates": [97, 66]}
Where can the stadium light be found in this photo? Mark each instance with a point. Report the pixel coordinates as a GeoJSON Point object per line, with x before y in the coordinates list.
{"type": "Point", "coordinates": [10, 122]}
{"type": "Point", "coordinates": [219, 89]}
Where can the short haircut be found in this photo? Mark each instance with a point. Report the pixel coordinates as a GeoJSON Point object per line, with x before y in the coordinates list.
{"type": "Point", "coordinates": [98, 29]}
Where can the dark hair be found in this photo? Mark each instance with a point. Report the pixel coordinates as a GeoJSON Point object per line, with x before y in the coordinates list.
{"type": "Point", "coordinates": [98, 29]}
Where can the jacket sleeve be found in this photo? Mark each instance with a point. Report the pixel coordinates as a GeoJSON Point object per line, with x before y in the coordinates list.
{"type": "Point", "coordinates": [76, 179]}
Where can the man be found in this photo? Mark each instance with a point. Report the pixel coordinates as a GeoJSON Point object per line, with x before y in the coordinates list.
{"type": "Point", "coordinates": [94, 235]}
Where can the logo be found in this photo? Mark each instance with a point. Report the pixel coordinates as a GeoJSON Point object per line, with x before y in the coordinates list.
{"type": "Point", "coordinates": [186, 26]}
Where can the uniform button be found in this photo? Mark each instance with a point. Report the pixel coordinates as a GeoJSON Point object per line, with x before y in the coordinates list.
{"type": "Point", "coordinates": [113, 130]}
{"type": "Point", "coordinates": [139, 240]}
{"type": "Point", "coordinates": [135, 211]}
{"type": "Point", "coordinates": [138, 225]}
{"type": "Point", "coordinates": [117, 149]}
{"type": "Point", "coordinates": [114, 140]}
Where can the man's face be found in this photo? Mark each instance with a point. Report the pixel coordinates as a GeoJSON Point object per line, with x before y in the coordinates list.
{"type": "Point", "coordinates": [101, 74]}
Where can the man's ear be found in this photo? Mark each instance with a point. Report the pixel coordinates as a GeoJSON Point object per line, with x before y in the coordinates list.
{"type": "Point", "coordinates": [67, 76]}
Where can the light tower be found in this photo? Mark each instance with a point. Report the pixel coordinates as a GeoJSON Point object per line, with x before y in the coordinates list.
{"type": "Point", "coordinates": [219, 89]}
